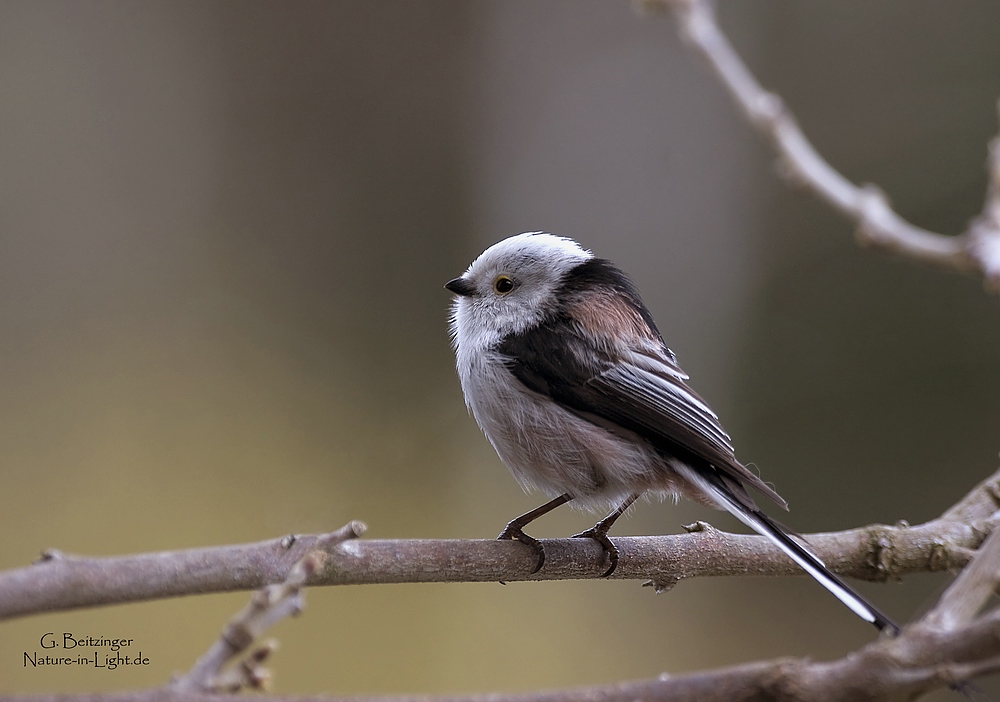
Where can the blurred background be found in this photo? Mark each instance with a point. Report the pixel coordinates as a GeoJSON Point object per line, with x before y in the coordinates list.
{"type": "Point", "coordinates": [224, 231]}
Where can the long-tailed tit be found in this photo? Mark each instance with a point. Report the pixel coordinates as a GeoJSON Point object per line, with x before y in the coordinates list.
{"type": "Point", "coordinates": [565, 371]}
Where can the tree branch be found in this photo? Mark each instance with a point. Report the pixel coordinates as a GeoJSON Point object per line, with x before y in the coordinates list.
{"type": "Point", "coordinates": [939, 650]}
{"type": "Point", "coordinates": [914, 663]}
{"type": "Point", "coordinates": [267, 607]}
{"type": "Point", "coordinates": [875, 552]}
{"type": "Point", "coordinates": [878, 225]}
{"type": "Point", "coordinates": [971, 590]}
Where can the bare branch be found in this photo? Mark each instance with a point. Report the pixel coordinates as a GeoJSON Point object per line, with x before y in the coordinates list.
{"type": "Point", "coordinates": [876, 552]}
{"type": "Point", "coordinates": [980, 502]}
{"type": "Point", "coordinates": [974, 586]}
{"type": "Point", "coordinates": [267, 607]}
{"type": "Point", "coordinates": [984, 232]}
{"type": "Point", "coordinates": [914, 663]}
{"type": "Point", "coordinates": [878, 225]}
{"type": "Point", "coordinates": [61, 581]}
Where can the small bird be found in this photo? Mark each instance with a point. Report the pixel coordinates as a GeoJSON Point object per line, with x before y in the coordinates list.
{"type": "Point", "coordinates": [566, 373]}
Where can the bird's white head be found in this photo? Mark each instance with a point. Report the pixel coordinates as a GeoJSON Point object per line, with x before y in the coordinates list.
{"type": "Point", "coordinates": [511, 287]}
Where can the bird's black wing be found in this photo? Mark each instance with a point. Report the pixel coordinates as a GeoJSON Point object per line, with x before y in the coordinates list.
{"type": "Point", "coordinates": [642, 391]}
{"type": "Point", "coordinates": [645, 393]}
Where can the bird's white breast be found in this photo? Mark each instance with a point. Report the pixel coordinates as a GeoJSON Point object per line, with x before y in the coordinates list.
{"type": "Point", "coordinates": [549, 448]}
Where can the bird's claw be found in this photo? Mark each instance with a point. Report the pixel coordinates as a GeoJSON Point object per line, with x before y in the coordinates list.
{"type": "Point", "coordinates": [513, 532]}
{"type": "Point", "coordinates": [601, 537]}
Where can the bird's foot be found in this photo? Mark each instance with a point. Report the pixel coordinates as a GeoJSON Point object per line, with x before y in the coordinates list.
{"type": "Point", "coordinates": [601, 536]}
{"type": "Point", "coordinates": [513, 532]}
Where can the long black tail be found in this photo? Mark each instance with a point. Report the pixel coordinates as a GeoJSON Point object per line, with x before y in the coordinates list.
{"type": "Point", "coordinates": [810, 562]}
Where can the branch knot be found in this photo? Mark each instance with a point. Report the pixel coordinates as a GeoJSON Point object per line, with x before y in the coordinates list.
{"type": "Point", "coordinates": [768, 111]}
{"type": "Point", "coordinates": [874, 211]}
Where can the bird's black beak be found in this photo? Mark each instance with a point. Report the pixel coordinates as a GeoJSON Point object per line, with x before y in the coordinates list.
{"type": "Point", "coordinates": [460, 286]}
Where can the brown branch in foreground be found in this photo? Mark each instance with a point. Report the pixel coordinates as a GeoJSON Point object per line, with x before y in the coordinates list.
{"type": "Point", "coordinates": [267, 607]}
{"type": "Point", "coordinates": [875, 552]}
{"type": "Point", "coordinates": [924, 657]}
{"type": "Point", "coordinates": [977, 249]}
{"type": "Point", "coordinates": [971, 590]}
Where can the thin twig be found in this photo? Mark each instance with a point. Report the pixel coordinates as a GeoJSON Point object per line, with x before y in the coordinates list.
{"type": "Point", "coordinates": [878, 225]}
{"type": "Point", "coordinates": [266, 608]}
{"type": "Point", "coordinates": [984, 232]}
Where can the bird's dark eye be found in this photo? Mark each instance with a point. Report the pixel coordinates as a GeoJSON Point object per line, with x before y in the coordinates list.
{"type": "Point", "coordinates": [503, 285]}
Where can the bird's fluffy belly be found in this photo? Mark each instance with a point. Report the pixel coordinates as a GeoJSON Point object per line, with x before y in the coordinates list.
{"type": "Point", "coordinates": [549, 448]}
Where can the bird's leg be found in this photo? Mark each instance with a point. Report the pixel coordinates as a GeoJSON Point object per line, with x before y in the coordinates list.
{"type": "Point", "coordinates": [514, 527]}
{"type": "Point", "coordinates": [599, 532]}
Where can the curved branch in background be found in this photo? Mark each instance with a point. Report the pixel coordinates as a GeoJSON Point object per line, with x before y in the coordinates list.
{"type": "Point", "coordinates": [876, 552]}
{"type": "Point", "coordinates": [975, 250]}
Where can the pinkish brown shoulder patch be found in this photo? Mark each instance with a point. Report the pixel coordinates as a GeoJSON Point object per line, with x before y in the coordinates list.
{"type": "Point", "coordinates": [607, 315]}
